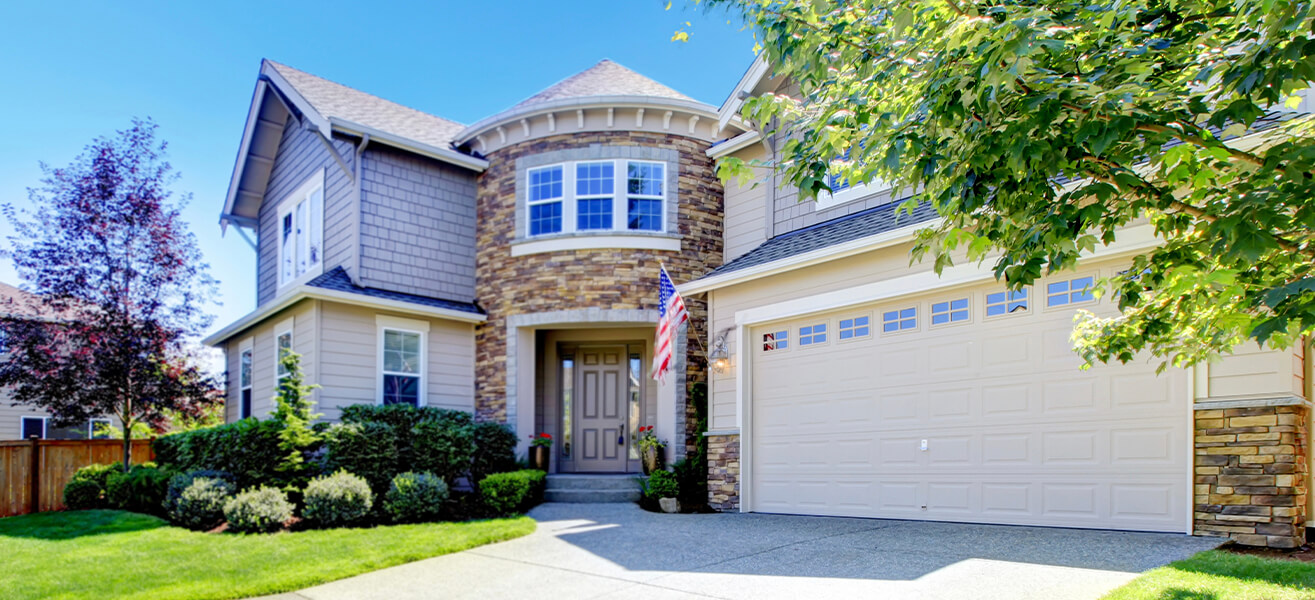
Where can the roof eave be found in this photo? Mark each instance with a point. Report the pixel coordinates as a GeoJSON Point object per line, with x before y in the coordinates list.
{"type": "Point", "coordinates": [547, 106]}
{"type": "Point", "coordinates": [442, 154]}
{"type": "Point", "coordinates": [731, 107]}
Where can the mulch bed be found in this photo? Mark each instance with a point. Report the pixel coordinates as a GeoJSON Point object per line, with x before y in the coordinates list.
{"type": "Point", "coordinates": [1303, 554]}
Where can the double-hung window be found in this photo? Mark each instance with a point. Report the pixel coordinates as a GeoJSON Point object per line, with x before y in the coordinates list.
{"type": "Point", "coordinates": [301, 231]}
{"type": "Point", "coordinates": [282, 347]}
{"type": "Point", "coordinates": [403, 361]}
{"type": "Point", "coordinates": [244, 380]}
{"type": "Point", "coordinates": [596, 196]}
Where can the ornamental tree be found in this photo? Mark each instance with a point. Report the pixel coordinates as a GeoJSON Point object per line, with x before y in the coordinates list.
{"type": "Point", "coordinates": [120, 290]}
{"type": "Point", "coordinates": [1039, 130]}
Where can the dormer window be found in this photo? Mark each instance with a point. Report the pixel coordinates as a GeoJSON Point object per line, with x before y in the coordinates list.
{"type": "Point", "coordinates": [591, 196]}
{"type": "Point", "coordinates": [301, 232]}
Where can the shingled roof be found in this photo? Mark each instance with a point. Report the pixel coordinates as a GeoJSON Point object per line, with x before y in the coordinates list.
{"type": "Point", "coordinates": [606, 78]}
{"type": "Point", "coordinates": [337, 279]}
{"type": "Point", "coordinates": [334, 100]}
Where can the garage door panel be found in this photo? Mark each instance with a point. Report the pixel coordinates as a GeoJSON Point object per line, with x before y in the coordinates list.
{"type": "Point", "coordinates": [1015, 432]}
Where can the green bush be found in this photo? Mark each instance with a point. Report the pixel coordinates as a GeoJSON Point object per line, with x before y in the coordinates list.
{"type": "Point", "coordinates": [141, 490]}
{"type": "Point", "coordinates": [514, 492]}
{"type": "Point", "coordinates": [415, 498]}
{"type": "Point", "coordinates": [443, 447]}
{"type": "Point", "coordinates": [196, 500]}
{"type": "Point", "coordinates": [89, 485]}
{"type": "Point", "coordinates": [495, 451]}
{"type": "Point", "coordinates": [367, 449]}
{"type": "Point", "coordinates": [337, 500]}
{"type": "Point", "coordinates": [258, 510]}
{"type": "Point", "coordinates": [247, 449]}
{"type": "Point", "coordinates": [662, 484]}
{"type": "Point", "coordinates": [403, 420]}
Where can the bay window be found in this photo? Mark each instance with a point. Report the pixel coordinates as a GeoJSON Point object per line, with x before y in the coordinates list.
{"type": "Point", "coordinates": [587, 196]}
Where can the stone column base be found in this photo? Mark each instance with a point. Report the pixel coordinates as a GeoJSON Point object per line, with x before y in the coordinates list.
{"type": "Point", "coordinates": [724, 471]}
{"type": "Point", "coordinates": [1250, 477]}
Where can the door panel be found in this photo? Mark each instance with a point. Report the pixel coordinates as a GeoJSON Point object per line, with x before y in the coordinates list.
{"type": "Point", "coordinates": [603, 409]}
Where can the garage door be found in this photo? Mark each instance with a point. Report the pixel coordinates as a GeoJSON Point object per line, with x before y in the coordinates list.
{"type": "Point", "coordinates": [965, 406]}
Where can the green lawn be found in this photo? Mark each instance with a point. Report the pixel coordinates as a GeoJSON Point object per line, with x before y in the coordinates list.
{"type": "Point", "coordinates": [1219, 575]}
{"type": "Point", "coordinates": [103, 554]}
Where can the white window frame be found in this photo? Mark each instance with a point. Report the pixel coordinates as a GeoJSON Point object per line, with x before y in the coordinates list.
{"type": "Point", "coordinates": [247, 346]}
{"type": "Point", "coordinates": [620, 199]}
{"type": "Point", "coordinates": [777, 338]}
{"type": "Point", "coordinates": [950, 311]}
{"type": "Point", "coordinates": [917, 319]}
{"type": "Point", "coordinates": [1095, 278]}
{"type": "Point", "coordinates": [399, 324]}
{"type": "Point", "coordinates": [1027, 300]}
{"type": "Point", "coordinates": [91, 426]}
{"type": "Point", "coordinates": [284, 328]}
{"type": "Point", "coordinates": [315, 229]}
{"type": "Point", "coordinates": [45, 425]}
{"type": "Point", "coordinates": [813, 334]}
{"type": "Point", "coordinates": [871, 327]}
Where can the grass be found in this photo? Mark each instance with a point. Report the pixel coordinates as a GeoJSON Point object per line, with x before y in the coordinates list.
{"type": "Point", "coordinates": [1219, 575]}
{"type": "Point", "coordinates": [104, 554]}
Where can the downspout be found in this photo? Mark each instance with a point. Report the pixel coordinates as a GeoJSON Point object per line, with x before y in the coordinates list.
{"type": "Point", "coordinates": [355, 273]}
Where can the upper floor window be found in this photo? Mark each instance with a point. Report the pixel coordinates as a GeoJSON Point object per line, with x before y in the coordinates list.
{"type": "Point", "coordinates": [592, 196]}
{"type": "Point", "coordinates": [843, 191]}
{"type": "Point", "coordinates": [301, 231]}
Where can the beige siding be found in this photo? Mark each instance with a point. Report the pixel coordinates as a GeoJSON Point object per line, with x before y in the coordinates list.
{"type": "Point", "coordinates": [1252, 372]}
{"type": "Point", "coordinates": [745, 223]}
{"type": "Point", "coordinates": [11, 418]}
{"type": "Point", "coordinates": [263, 357]}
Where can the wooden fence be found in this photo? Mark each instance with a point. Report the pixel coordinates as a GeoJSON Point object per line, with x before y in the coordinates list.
{"type": "Point", "coordinates": [33, 472]}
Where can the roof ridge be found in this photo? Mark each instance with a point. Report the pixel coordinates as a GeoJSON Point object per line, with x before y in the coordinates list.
{"type": "Point", "coordinates": [278, 64]}
{"type": "Point", "coordinates": [561, 84]}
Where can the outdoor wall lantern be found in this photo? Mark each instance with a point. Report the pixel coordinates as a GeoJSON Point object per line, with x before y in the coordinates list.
{"type": "Point", "coordinates": [720, 357]}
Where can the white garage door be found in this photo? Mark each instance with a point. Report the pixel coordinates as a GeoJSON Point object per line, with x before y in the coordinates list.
{"type": "Point", "coordinates": [974, 418]}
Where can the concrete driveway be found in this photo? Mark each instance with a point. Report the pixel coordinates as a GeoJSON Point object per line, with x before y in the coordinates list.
{"type": "Point", "coordinates": [614, 550]}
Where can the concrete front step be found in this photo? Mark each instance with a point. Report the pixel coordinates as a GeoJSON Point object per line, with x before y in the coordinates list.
{"type": "Point", "coordinates": [591, 488]}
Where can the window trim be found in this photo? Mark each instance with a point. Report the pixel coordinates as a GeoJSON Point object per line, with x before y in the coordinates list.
{"type": "Point", "coordinates": [91, 427]}
{"type": "Point", "coordinates": [950, 310]}
{"type": "Point", "coordinates": [917, 319]}
{"type": "Point", "coordinates": [1095, 278]}
{"type": "Point", "coordinates": [388, 323]}
{"type": "Point", "coordinates": [826, 332]}
{"type": "Point", "coordinates": [570, 199]}
{"type": "Point", "coordinates": [288, 206]}
{"type": "Point", "coordinates": [247, 346]}
{"type": "Point", "coordinates": [284, 327]}
{"type": "Point", "coordinates": [853, 316]}
{"type": "Point", "coordinates": [45, 424]}
{"type": "Point", "coordinates": [1027, 309]}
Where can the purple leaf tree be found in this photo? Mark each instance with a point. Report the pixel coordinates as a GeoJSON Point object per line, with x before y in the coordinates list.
{"type": "Point", "coordinates": [120, 291]}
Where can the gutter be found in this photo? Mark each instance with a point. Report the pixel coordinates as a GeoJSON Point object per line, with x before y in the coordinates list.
{"type": "Point", "coordinates": [442, 154]}
{"type": "Point", "coordinates": [734, 144]}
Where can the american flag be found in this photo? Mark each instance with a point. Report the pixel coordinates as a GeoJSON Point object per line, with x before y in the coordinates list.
{"type": "Point", "coordinates": [671, 313]}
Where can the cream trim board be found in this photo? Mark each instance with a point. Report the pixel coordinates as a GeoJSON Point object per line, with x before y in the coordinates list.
{"type": "Point", "coordinates": [392, 322]}
{"type": "Point", "coordinates": [421, 393]}
{"type": "Point", "coordinates": [590, 242]}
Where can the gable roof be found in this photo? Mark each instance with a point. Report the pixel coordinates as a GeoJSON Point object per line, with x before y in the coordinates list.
{"type": "Point", "coordinates": [337, 279]}
{"type": "Point", "coordinates": [606, 78]}
{"type": "Point", "coordinates": [334, 100]}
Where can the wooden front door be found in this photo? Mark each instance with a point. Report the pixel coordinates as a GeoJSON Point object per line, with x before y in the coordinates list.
{"type": "Point", "coordinates": [602, 410]}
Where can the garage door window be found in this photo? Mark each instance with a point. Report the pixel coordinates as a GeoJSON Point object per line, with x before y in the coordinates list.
{"type": "Point", "coordinates": [779, 340]}
{"type": "Point", "coordinates": [856, 327]}
{"type": "Point", "coordinates": [953, 311]}
{"type": "Point", "coordinates": [895, 321]}
{"type": "Point", "coordinates": [813, 334]}
{"type": "Point", "coordinates": [1072, 291]}
{"type": "Point", "coordinates": [1006, 303]}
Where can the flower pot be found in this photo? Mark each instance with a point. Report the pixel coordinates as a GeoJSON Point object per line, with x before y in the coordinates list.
{"type": "Point", "coordinates": [652, 460]}
{"type": "Point", "coordinates": [669, 505]}
{"type": "Point", "coordinates": [539, 458]}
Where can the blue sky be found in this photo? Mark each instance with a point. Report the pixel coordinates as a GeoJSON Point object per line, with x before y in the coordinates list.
{"type": "Point", "coordinates": [72, 71]}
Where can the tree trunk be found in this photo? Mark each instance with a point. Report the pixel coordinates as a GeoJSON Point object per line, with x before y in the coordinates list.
{"type": "Point", "coordinates": [127, 435]}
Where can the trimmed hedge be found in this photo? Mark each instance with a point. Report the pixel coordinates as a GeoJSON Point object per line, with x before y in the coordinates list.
{"type": "Point", "coordinates": [495, 451]}
{"type": "Point", "coordinates": [514, 492]}
{"type": "Point", "coordinates": [246, 449]}
{"type": "Point", "coordinates": [141, 490]}
{"type": "Point", "coordinates": [258, 510]}
{"type": "Point", "coordinates": [415, 498]}
{"type": "Point", "coordinates": [337, 500]}
{"type": "Point", "coordinates": [443, 447]}
{"type": "Point", "coordinates": [367, 449]}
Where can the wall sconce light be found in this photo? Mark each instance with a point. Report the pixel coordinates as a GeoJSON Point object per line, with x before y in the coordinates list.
{"type": "Point", "coordinates": [720, 357]}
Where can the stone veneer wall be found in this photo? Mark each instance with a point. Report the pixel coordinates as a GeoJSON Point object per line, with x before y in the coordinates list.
{"type": "Point", "coordinates": [1250, 480]}
{"type": "Point", "coordinates": [724, 471]}
{"type": "Point", "coordinates": [594, 278]}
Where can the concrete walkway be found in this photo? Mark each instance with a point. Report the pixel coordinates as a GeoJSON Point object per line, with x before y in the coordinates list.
{"type": "Point", "coordinates": [615, 550]}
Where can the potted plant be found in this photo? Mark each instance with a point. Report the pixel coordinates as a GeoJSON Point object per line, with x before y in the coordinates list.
{"type": "Point", "coordinates": [664, 486]}
{"type": "Point", "coordinates": [650, 450]}
{"type": "Point", "coordinates": [539, 446]}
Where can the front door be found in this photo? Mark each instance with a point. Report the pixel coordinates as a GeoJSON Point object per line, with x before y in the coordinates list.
{"type": "Point", "coordinates": [601, 405]}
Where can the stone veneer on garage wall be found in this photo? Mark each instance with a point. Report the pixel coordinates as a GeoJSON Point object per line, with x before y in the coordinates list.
{"type": "Point", "coordinates": [593, 278]}
{"type": "Point", "coordinates": [1250, 480]}
{"type": "Point", "coordinates": [724, 471]}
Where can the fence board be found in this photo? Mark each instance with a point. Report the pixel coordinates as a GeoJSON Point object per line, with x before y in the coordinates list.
{"type": "Point", "coordinates": [59, 460]}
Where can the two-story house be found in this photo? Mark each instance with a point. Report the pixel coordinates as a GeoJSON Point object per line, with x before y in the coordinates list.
{"type": "Point", "coordinates": [509, 268]}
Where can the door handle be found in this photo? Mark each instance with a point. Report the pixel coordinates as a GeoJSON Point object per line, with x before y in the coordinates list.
{"type": "Point", "coordinates": [621, 439]}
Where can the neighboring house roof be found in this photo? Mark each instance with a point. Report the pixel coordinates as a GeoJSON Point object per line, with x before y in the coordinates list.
{"type": "Point", "coordinates": [870, 222]}
{"type": "Point", "coordinates": [338, 280]}
{"type": "Point", "coordinates": [15, 302]}
{"type": "Point", "coordinates": [337, 101]}
{"type": "Point", "coordinates": [606, 78]}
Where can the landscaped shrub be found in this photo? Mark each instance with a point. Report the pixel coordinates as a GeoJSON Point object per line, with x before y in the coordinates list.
{"type": "Point", "coordinates": [142, 489]}
{"type": "Point", "coordinates": [196, 500]}
{"type": "Point", "coordinates": [415, 498]}
{"type": "Point", "coordinates": [247, 449]}
{"type": "Point", "coordinates": [514, 492]}
{"type": "Point", "coordinates": [495, 451]}
{"type": "Point", "coordinates": [662, 484]}
{"type": "Point", "coordinates": [403, 420]}
{"type": "Point", "coordinates": [337, 500]}
{"type": "Point", "coordinates": [258, 510]}
{"type": "Point", "coordinates": [443, 447]}
{"type": "Point", "coordinates": [89, 485]}
{"type": "Point", "coordinates": [367, 449]}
